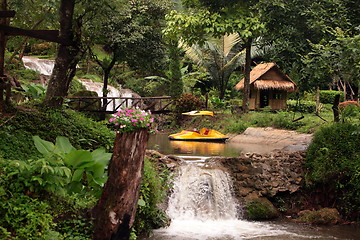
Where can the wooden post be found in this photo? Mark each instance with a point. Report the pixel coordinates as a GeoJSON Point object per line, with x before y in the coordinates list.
{"type": "Point", "coordinates": [114, 214]}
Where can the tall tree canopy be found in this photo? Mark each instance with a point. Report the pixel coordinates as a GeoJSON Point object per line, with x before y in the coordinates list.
{"type": "Point", "coordinates": [216, 19]}
{"type": "Point", "coordinates": [293, 27]}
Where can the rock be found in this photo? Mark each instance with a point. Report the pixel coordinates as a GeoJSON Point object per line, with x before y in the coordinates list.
{"type": "Point", "coordinates": [260, 209]}
{"type": "Point", "coordinates": [324, 216]}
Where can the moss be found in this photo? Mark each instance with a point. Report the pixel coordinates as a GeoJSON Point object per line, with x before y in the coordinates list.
{"type": "Point", "coordinates": [17, 130]}
{"type": "Point", "coordinates": [260, 209]}
{"type": "Point", "coordinates": [325, 216]}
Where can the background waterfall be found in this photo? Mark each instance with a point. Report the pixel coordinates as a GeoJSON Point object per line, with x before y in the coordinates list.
{"type": "Point", "coordinates": [45, 67]}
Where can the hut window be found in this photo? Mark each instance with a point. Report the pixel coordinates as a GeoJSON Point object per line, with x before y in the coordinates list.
{"type": "Point", "coordinates": [277, 95]}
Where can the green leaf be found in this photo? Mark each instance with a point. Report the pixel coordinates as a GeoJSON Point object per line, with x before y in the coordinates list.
{"type": "Point", "coordinates": [141, 203]}
{"type": "Point", "coordinates": [99, 155]}
{"type": "Point", "coordinates": [64, 144]}
{"type": "Point", "coordinates": [77, 157]}
{"type": "Point", "coordinates": [75, 187]}
{"type": "Point", "coordinates": [78, 174]}
{"type": "Point", "coordinates": [44, 147]}
{"type": "Point", "coordinates": [97, 170]}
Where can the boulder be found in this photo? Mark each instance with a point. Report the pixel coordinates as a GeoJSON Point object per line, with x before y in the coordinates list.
{"type": "Point", "coordinates": [260, 209]}
{"type": "Point", "coordinates": [324, 216]}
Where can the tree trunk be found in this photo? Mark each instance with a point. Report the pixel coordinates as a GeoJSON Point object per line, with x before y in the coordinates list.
{"type": "Point", "coordinates": [115, 212]}
{"type": "Point", "coordinates": [67, 57]}
{"type": "Point", "coordinates": [246, 96]}
{"type": "Point", "coordinates": [317, 99]}
{"type": "Point", "coordinates": [335, 108]}
{"type": "Point", "coordinates": [176, 84]}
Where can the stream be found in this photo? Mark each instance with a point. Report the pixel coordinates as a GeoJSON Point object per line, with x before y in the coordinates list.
{"type": "Point", "coordinates": [201, 206]}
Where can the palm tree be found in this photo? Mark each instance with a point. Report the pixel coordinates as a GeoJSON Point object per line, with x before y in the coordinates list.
{"type": "Point", "coordinates": [220, 57]}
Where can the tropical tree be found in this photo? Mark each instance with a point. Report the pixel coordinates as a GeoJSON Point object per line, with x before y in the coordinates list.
{"type": "Point", "coordinates": [216, 19]}
{"type": "Point", "coordinates": [294, 26]}
{"type": "Point", "coordinates": [67, 57]}
{"type": "Point", "coordinates": [220, 57]}
{"type": "Point", "coordinates": [336, 63]}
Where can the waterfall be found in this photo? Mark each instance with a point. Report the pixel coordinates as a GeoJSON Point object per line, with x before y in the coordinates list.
{"type": "Point", "coordinates": [202, 207]}
{"type": "Point", "coordinates": [202, 193]}
{"type": "Point", "coordinates": [43, 66]}
{"type": "Point", "coordinates": [112, 92]}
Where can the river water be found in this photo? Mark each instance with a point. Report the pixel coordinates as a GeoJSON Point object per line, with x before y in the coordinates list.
{"type": "Point", "coordinates": [201, 206]}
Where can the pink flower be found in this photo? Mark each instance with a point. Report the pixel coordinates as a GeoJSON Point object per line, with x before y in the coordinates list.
{"type": "Point", "coordinates": [148, 124]}
{"type": "Point", "coordinates": [142, 119]}
{"type": "Point", "coordinates": [122, 126]}
{"type": "Point", "coordinates": [134, 124]}
{"type": "Point", "coordinates": [116, 124]}
{"type": "Point", "coordinates": [134, 120]}
{"type": "Point", "coordinates": [151, 120]}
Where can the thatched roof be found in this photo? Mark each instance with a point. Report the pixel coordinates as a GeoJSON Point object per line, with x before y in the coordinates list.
{"type": "Point", "coordinates": [258, 73]}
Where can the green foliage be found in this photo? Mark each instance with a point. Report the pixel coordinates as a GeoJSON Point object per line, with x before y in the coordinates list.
{"type": "Point", "coordinates": [26, 75]}
{"type": "Point", "coordinates": [284, 120]}
{"type": "Point", "coordinates": [76, 86]}
{"type": "Point", "coordinates": [34, 91]}
{"type": "Point", "coordinates": [26, 217]}
{"type": "Point", "coordinates": [152, 192]}
{"type": "Point", "coordinates": [187, 102]}
{"type": "Point", "coordinates": [235, 126]}
{"type": "Point", "coordinates": [333, 160]}
{"type": "Point", "coordinates": [216, 102]}
{"type": "Point", "coordinates": [302, 106]}
{"type": "Point", "coordinates": [75, 228]}
{"type": "Point", "coordinates": [350, 113]}
{"type": "Point", "coordinates": [328, 96]}
{"type": "Point", "coordinates": [63, 169]}
{"type": "Point", "coordinates": [19, 128]}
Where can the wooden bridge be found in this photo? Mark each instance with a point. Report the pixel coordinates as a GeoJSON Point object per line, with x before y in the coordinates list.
{"type": "Point", "coordinates": [110, 105]}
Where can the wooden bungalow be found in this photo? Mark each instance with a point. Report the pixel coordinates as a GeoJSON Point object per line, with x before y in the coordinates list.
{"type": "Point", "coordinates": [268, 87]}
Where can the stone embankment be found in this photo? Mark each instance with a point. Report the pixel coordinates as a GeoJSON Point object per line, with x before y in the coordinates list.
{"type": "Point", "coordinates": [265, 175]}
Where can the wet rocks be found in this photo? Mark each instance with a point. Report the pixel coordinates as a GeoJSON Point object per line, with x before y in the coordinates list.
{"type": "Point", "coordinates": [265, 175]}
{"type": "Point", "coordinates": [260, 209]}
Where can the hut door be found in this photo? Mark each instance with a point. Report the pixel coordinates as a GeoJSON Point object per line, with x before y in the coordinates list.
{"type": "Point", "coordinates": [264, 98]}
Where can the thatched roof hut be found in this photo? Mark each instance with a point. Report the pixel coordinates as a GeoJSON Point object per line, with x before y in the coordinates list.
{"type": "Point", "coordinates": [268, 86]}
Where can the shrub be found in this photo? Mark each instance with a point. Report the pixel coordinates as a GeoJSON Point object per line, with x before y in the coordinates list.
{"type": "Point", "coordinates": [301, 106]}
{"type": "Point", "coordinates": [187, 102]}
{"type": "Point", "coordinates": [328, 96]}
{"type": "Point", "coordinates": [18, 130]}
{"type": "Point", "coordinates": [333, 160]}
{"type": "Point", "coordinates": [26, 217]}
{"type": "Point", "coordinates": [152, 192]}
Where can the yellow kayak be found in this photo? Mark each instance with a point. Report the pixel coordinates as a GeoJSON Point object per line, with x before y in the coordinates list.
{"type": "Point", "coordinates": [204, 134]}
{"type": "Point", "coordinates": [199, 113]}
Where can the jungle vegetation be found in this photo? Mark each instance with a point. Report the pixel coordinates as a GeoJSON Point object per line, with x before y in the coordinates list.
{"type": "Point", "coordinates": [193, 50]}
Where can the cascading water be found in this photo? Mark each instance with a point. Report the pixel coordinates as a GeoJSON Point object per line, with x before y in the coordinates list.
{"type": "Point", "coordinates": [43, 66]}
{"type": "Point", "coordinates": [202, 193]}
{"type": "Point", "coordinates": [202, 207]}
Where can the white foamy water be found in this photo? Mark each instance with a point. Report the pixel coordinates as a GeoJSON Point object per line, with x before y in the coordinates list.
{"type": "Point", "coordinates": [202, 207]}
{"type": "Point", "coordinates": [43, 66]}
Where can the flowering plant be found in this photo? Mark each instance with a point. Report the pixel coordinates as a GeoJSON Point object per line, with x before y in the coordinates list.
{"type": "Point", "coordinates": [131, 119]}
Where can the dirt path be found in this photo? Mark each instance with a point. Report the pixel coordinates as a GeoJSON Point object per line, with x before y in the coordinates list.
{"type": "Point", "coordinates": [270, 139]}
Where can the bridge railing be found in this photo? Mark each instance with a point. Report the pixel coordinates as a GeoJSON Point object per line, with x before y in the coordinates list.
{"type": "Point", "coordinates": [114, 104]}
